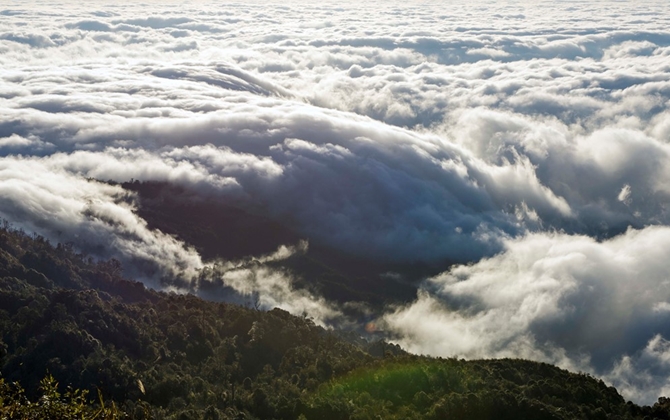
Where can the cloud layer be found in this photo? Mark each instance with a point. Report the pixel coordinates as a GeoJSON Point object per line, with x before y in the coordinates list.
{"type": "Point", "coordinates": [531, 141]}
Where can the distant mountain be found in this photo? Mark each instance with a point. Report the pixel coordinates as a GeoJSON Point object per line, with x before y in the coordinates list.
{"type": "Point", "coordinates": [230, 231]}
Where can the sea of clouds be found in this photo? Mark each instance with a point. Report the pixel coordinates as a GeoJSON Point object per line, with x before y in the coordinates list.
{"type": "Point", "coordinates": [528, 141]}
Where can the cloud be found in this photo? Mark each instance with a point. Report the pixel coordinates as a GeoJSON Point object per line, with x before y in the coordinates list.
{"type": "Point", "coordinates": [570, 300]}
{"type": "Point", "coordinates": [407, 191]}
{"type": "Point", "coordinates": [17, 145]}
{"type": "Point", "coordinates": [97, 217]}
{"type": "Point", "coordinates": [253, 282]}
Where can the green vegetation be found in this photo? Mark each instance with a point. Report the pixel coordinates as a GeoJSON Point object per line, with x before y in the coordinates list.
{"type": "Point", "coordinates": [51, 404]}
{"type": "Point", "coordinates": [67, 318]}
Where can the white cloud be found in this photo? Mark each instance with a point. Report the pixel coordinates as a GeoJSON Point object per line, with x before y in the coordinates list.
{"type": "Point", "coordinates": [565, 299]}
{"type": "Point", "coordinates": [252, 282]}
{"type": "Point", "coordinates": [96, 216]}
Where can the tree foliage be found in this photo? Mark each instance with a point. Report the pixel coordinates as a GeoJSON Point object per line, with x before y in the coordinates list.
{"type": "Point", "coordinates": [52, 404]}
{"type": "Point", "coordinates": [77, 322]}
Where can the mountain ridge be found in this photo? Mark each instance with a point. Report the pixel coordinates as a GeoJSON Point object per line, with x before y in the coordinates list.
{"type": "Point", "coordinates": [70, 316]}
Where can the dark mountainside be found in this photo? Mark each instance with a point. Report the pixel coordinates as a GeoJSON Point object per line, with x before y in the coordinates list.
{"type": "Point", "coordinates": [221, 230]}
{"type": "Point", "coordinates": [160, 355]}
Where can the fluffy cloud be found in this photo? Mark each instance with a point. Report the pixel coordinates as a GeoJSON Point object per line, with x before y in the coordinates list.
{"type": "Point", "coordinates": [529, 140]}
{"type": "Point", "coordinates": [97, 217]}
{"type": "Point", "coordinates": [571, 300]}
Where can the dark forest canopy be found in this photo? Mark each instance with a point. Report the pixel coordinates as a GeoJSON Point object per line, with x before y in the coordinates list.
{"type": "Point", "coordinates": [150, 354]}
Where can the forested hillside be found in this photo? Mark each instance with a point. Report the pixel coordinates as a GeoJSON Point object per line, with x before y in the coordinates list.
{"type": "Point", "coordinates": [161, 355]}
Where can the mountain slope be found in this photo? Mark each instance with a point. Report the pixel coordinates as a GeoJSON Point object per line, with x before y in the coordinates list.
{"type": "Point", "coordinates": [162, 355]}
